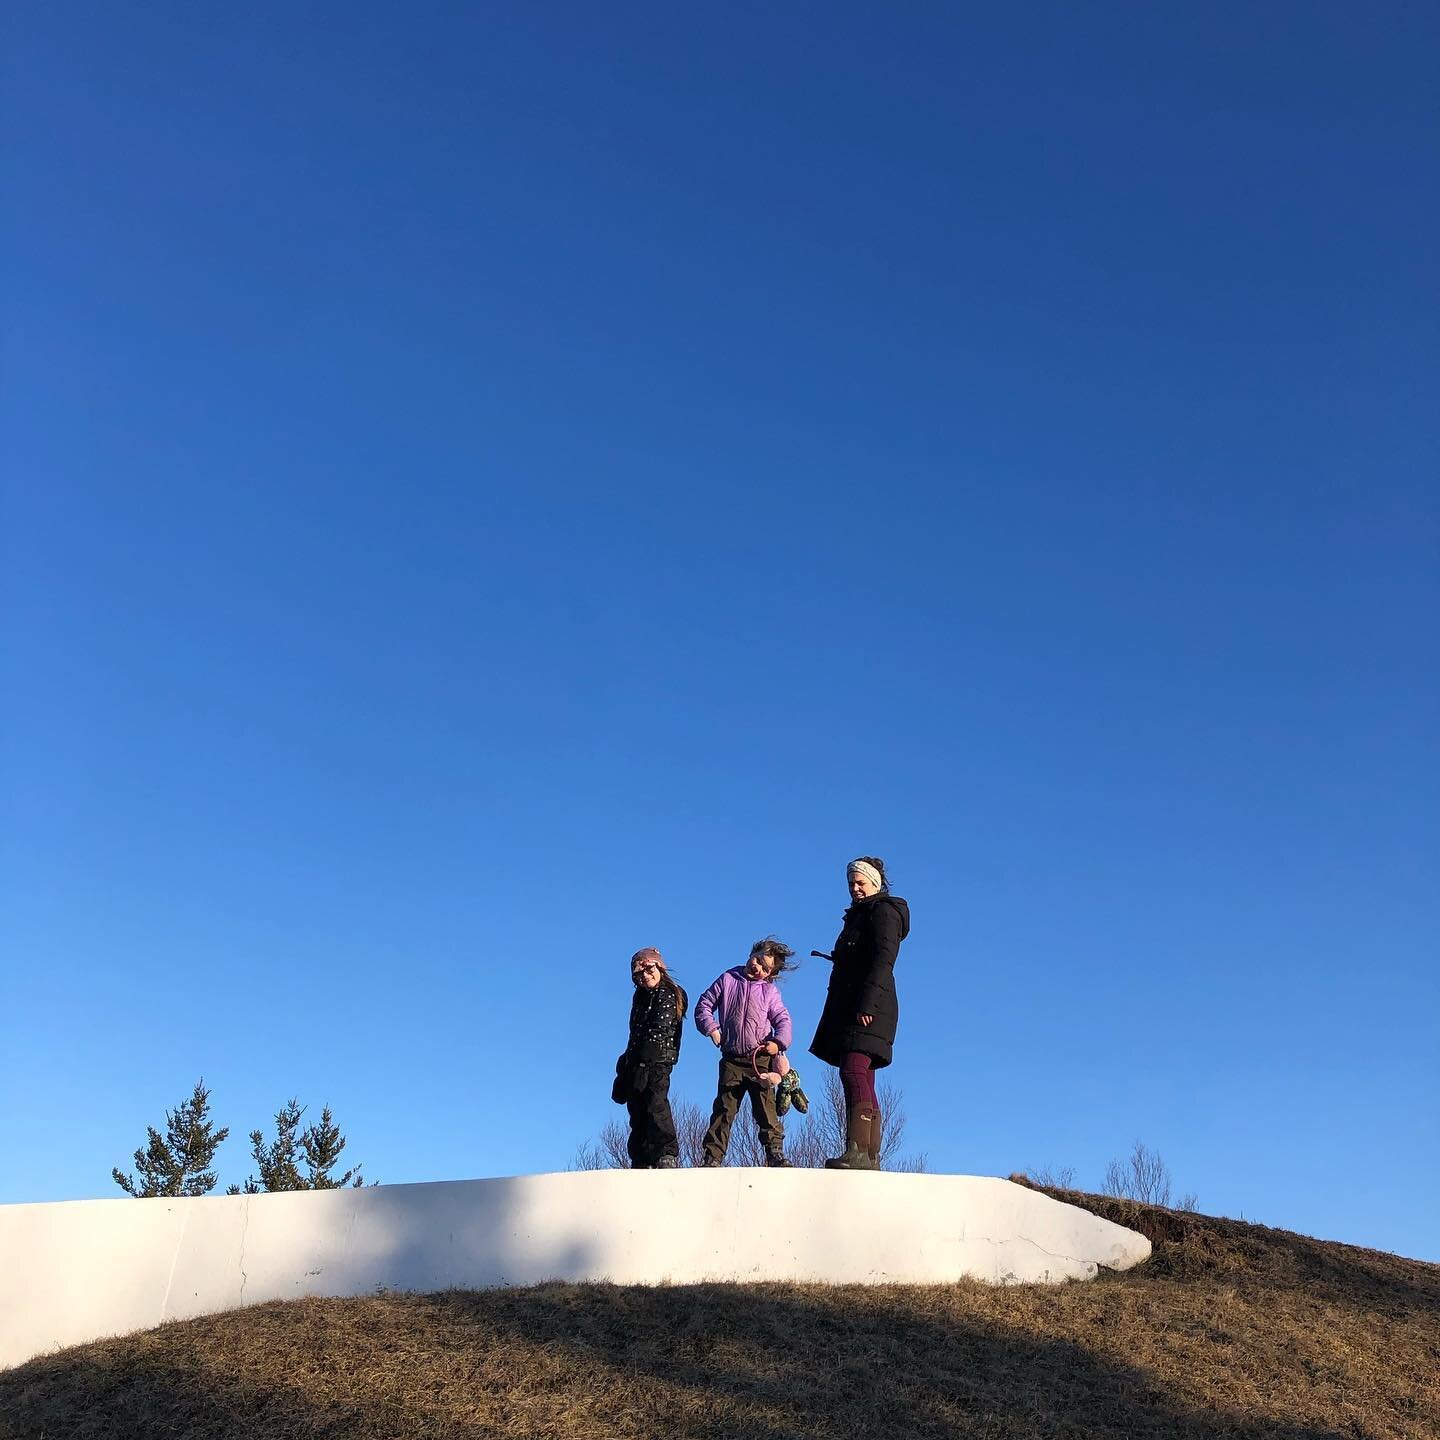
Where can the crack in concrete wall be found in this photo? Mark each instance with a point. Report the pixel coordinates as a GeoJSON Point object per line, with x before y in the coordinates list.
{"type": "Point", "coordinates": [174, 1260]}
{"type": "Point", "coordinates": [244, 1232]}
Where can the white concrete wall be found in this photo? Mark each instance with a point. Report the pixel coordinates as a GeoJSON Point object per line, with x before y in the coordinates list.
{"type": "Point", "coordinates": [81, 1270]}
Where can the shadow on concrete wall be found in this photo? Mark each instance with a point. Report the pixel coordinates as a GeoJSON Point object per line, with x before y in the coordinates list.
{"type": "Point", "coordinates": [420, 1255]}
{"type": "Point", "coordinates": [433, 1237]}
{"type": "Point", "coordinates": [240, 1252]}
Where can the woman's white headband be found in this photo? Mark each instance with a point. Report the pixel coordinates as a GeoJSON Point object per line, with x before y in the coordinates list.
{"type": "Point", "coordinates": [865, 868]}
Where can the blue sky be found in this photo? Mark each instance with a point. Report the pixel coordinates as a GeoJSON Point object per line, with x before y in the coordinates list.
{"type": "Point", "coordinates": [487, 488]}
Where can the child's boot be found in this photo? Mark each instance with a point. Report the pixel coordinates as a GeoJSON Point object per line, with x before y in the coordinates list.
{"type": "Point", "coordinates": [857, 1143]}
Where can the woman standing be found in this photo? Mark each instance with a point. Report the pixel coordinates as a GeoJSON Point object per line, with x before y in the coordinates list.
{"type": "Point", "coordinates": [642, 1074]}
{"type": "Point", "coordinates": [857, 1026]}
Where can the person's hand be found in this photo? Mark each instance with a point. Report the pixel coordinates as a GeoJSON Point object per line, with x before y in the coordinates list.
{"type": "Point", "coordinates": [771, 1048]}
{"type": "Point", "coordinates": [715, 1036]}
{"type": "Point", "coordinates": [864, 1019]}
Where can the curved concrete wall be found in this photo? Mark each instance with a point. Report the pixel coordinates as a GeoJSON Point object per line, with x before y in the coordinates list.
{"type": "Point", "coordinates": [80, 1270]}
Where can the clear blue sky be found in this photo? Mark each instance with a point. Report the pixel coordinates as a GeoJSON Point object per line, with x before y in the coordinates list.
{"type": "Point", "coordinates": [490, 487]}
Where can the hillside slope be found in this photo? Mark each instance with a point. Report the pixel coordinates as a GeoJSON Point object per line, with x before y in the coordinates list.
{"type": "Point", "coordinates": [1230, 1329]}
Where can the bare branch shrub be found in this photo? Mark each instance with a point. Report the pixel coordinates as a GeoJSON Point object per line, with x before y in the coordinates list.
{"type": "Point", "coordinates": [613, 1137]}
{"type": "Point", "coordinates": [746, 1147]}
{"type": "Point", "coordinates": [606, 1152]}
{"type": "Point", "coordinates": [587, 1156]}
{"type": "Point", "coordinates": [691, 1122]}
{"type": "Point", "coordinates": [1053, 1177]}
{"type": "Point", "coordinates": [1142, 1176]}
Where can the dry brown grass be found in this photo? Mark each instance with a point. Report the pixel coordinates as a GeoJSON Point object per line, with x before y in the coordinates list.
{"type": "Point", "coordinates": [1230, 1330]}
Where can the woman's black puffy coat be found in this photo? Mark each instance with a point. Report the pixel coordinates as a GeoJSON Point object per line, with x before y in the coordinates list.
{"type": "Point", "coordinates": [863, 982]}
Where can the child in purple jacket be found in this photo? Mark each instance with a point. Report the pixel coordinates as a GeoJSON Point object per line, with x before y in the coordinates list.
{"type": "Point", "coordinates": [745, 1018]}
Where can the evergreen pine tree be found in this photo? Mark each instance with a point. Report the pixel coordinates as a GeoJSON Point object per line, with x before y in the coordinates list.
{"type": "Point", "coordinates": [177, 1163]}
{"type": "Point", "coordinates": [279, 1161]}
{"type": "Point", "coordinates": [276, 1161]}
{"type": "Point", "coordinates": [322, 1144]}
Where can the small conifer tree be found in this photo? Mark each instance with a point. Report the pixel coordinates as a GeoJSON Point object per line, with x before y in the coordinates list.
{"type": "Point", "coordinates": [322, 1144]}
{"type": "Point", "coordinates": [177, 1163]}
{"type": "Point", "coordinates": [276, 1161]}
{"type": "Point", "coordinates": [279, 1161]}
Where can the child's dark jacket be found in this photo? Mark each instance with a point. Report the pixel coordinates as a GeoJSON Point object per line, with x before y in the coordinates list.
{"type": "Point", "coordinates": [655, 1034]}
{"type": "Point", "coordinates": [655, 1028]}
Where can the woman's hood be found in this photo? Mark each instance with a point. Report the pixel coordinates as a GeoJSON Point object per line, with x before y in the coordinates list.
{"type": "Point", "coordinates": [901, 909]}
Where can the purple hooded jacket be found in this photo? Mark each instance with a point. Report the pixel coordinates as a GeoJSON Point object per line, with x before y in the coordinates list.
{"type": "Point", "coordinates": [748, 1012]}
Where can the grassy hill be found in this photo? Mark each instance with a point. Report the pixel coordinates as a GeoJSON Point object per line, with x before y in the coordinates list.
{"type": "Point", "coordinates": [1230, 1329]}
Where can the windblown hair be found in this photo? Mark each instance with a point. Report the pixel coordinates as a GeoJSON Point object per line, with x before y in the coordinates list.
{"type": "Point", "coordinates": [667, 982]}
{"type": "Point", "coordinates": [778, 951]}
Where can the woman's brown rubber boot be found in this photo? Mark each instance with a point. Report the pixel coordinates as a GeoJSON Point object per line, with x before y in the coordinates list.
{"type": "Point", "coordinates": [857, 1143]}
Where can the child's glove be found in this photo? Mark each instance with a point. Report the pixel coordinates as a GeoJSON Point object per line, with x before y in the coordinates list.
{"type": "Point", "coordinates": [790, 1093]}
